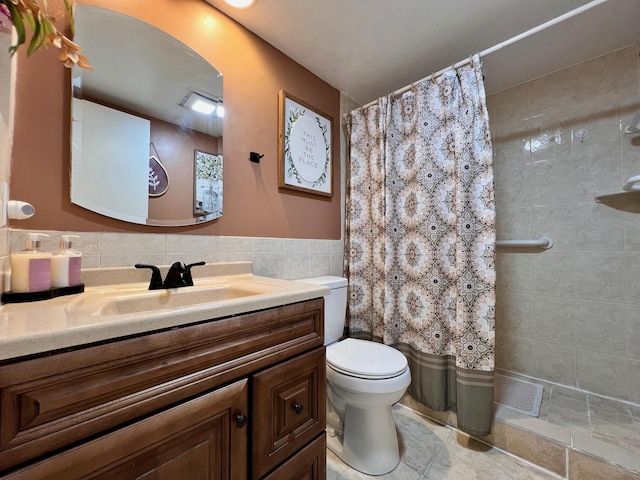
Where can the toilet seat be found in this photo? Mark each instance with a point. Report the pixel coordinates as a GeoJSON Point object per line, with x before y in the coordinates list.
{"type": "Point", "coordinates": [365, 359]}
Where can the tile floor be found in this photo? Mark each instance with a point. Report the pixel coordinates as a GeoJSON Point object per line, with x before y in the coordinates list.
{"type": "Point", "coordinates": [431, 451]}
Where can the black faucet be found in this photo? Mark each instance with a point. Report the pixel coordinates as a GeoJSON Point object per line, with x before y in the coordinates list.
{"type": "Point", "coordinates": [174, 276]}
{"type": "Point", "coordinates": [179, 275]}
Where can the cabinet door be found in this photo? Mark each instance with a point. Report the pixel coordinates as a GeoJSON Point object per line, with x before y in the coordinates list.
{"type": "Point", "coordinates": [288, 409]}
{"type": "Point", "coordinates": [308, 464]}
{"type": "Point", "coordinates": [202, 439]}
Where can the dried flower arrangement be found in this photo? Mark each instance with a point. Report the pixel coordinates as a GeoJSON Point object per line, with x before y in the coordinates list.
{"type": "Point", "coordinates": [23, 13]}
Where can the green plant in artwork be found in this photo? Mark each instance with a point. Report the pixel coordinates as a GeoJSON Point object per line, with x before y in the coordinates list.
{"type": "Point", "coordinates": [292, 171]}
{"type": "Point", "coordinates": [208, 183]}
{"type": "Point", "coordinates": [323, 177]}
{"type": "Point", "coordinates": [208, 167]}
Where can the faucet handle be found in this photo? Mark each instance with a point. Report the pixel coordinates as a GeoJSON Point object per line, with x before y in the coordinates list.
{"type": "Point", "coordinates": [186, 276]}
{"type": "Point", "coordinates": [156, 277]}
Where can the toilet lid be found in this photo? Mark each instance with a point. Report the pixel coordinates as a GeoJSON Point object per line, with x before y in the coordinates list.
{"type": "Point", "coordinates": [364, 359]}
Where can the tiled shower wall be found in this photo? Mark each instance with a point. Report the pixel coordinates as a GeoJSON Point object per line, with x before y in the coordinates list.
{"type": "Point", "coordinates": [570, 314]}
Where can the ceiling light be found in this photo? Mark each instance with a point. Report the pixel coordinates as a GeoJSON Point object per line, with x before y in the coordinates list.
{"type": "Point", "coordinates": [200, 103]}
{"type": "Point", "coordinates": [202, 106]}
{"type": "Point", "coordinates": [241, 3]}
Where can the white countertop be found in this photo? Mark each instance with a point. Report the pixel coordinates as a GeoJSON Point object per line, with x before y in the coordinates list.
{"type": "Point", "coordinates": [37, 327]}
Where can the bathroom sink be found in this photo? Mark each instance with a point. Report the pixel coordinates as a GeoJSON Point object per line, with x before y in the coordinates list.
{"type": "Point", "coordinates": [140, 300]}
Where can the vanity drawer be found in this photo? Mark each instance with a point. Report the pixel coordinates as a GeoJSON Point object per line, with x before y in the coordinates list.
{"type": "Point", "coordinates": [49, 402]}
{"type": "Point", "coordinates": [288, 409]}
{"type": "Point", "coordinates": [310, 463]}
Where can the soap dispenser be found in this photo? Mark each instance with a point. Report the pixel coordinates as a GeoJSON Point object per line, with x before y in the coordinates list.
{"type": "Point", "coordinates": [66, 264]}
{"type": "Point", "coordinates": [31, 267]}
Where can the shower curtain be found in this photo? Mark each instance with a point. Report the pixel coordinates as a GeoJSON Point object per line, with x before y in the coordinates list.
{"type": "Point", "coordinates": [420, 238]}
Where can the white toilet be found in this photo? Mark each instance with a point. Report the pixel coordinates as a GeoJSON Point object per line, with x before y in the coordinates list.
{"type": "Point", "coordinates": [364, 379]}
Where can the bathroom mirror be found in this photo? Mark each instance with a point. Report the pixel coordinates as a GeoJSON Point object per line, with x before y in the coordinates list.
{"type": "Point", "coordinates": [140, 152]}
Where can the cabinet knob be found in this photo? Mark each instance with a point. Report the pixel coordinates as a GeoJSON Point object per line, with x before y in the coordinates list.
{"type": "Point", "coordinates": [298, 407]}
{"type": "Point", "coordinates": [241, 420]}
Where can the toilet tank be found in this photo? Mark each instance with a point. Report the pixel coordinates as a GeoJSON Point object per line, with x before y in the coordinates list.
{"type": "Point", "coordinates": [335, 306]}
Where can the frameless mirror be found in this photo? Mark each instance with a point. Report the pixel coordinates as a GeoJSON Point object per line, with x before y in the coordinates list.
{"type": "Point", "coordinates": [146, 132]}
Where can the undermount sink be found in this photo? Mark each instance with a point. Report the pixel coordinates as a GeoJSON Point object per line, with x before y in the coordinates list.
{"type": "Point", "coordinates": [136, 300]}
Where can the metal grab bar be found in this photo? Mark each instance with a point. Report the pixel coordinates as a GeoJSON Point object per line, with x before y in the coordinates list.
{"type": "Point", "coordinates": [631, 185]}
{"type": "Point", "coordinates": [542, 242]}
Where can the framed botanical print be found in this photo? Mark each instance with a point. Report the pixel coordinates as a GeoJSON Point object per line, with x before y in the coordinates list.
{"type": "Point", "coordinates": [207, 184]}
{"type": "Point", "coordinates": [305, 150]}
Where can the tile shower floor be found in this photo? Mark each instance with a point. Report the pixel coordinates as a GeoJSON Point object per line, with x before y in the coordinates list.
{"type": "Point", "coordinates": [436, 452]}
{"type": "Point", "coordinates": [610, 421]}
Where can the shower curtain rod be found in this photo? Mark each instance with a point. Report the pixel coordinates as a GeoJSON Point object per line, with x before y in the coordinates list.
{"type": "Point", "coordinates": [506, 43]}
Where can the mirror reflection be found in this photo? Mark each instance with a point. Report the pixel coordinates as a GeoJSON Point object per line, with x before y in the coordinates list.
{"type": "Point", "coordinates": [146, 131]}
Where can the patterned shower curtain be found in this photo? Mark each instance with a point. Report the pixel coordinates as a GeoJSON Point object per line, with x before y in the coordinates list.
{"type": "Point", "coordinates": [421, 235]}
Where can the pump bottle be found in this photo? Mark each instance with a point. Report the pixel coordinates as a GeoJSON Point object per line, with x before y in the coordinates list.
{"type": "Point", "coordinates": [66, 264]}
{"type": "Point", "coordinates": [31, 267]}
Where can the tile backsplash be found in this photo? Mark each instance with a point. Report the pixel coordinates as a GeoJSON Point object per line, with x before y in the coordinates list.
{"type": "Point", "coordinates": [283, 258]}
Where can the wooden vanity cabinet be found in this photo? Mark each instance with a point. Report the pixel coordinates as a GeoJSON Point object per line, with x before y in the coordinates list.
{"type": "Point", "coordinates": [234, 398]}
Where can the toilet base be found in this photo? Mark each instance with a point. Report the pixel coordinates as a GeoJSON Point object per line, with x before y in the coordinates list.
{"type": "Point", "coordinates": [369, 442]}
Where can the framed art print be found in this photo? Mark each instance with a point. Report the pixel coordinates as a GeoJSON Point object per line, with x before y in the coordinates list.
{"type": "Point", "coordinates": [207, 184]}
{"type": "Point", "coordinates": [304, 147]}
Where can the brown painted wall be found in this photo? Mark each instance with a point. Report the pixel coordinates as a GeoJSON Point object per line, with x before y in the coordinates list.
{"type": "Point", "coordinates": [254, 72]}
